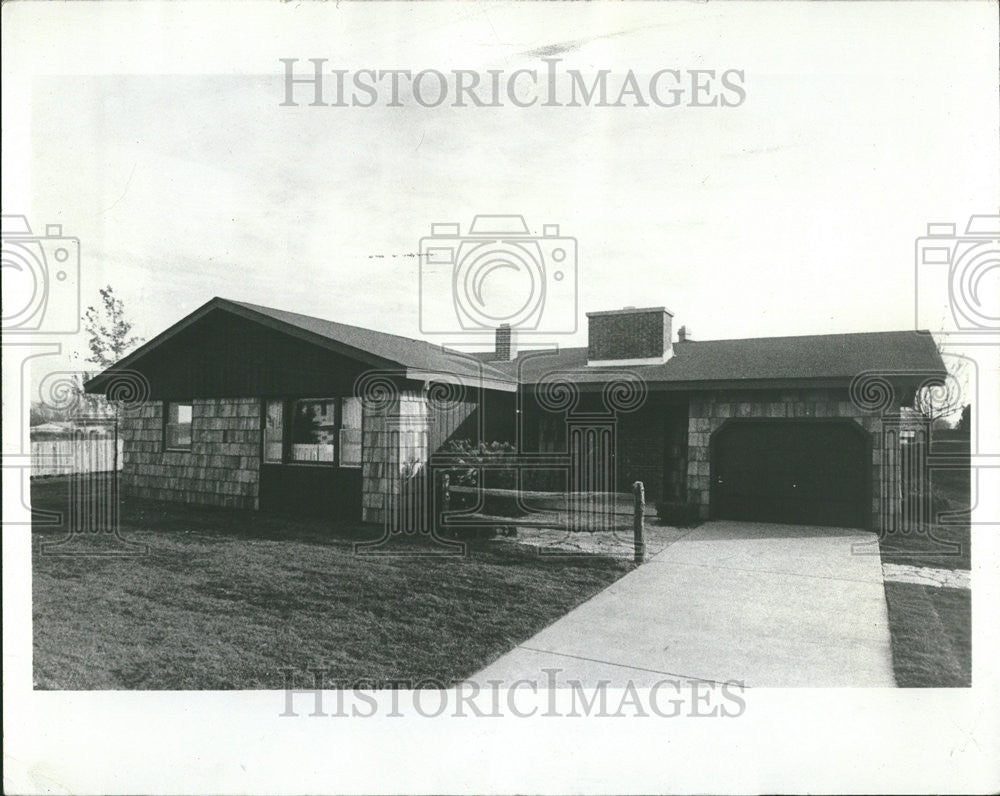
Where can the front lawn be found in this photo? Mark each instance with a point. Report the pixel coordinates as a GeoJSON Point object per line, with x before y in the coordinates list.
{"type": "Point", "coordinates": [931, 632]}
{"type": "Point", "coordinates": [943, 546]}
{"type": "Point", "coordinates": [931, 627]}
{"type": "Point", "coordinates": [227, 599]}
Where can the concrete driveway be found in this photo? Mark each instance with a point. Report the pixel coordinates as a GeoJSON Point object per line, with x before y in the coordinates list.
{"type": "Point", "coordinates": [769, 605]}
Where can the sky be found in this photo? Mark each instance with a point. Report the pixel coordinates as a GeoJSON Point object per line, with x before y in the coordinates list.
{"type": "Point", "coordinates": [166, 151]}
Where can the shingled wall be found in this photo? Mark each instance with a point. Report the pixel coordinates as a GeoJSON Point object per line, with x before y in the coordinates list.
{"type": "Point", "coordinates": [221, 469]}
{"type": "Point", "coordinates": [395, 444]}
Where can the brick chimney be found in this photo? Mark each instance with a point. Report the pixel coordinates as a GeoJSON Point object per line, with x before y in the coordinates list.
{"type": "Point", "coordinates": [505, 348]}
{"type": "Point", "coordinates": [684, 335]}
{"type": "Point", "coordinates": [629, 336]}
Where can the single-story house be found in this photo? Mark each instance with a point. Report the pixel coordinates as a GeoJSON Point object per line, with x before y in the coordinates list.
{"type": "Point", "coordinates": [252, 407]}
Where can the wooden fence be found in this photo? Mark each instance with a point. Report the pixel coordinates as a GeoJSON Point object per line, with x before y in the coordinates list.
{"type": "Point", "coordinates": [93, 454]}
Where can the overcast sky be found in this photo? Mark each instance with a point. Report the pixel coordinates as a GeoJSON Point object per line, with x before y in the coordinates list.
{"type": "Point", "coordinates": [793, 213]}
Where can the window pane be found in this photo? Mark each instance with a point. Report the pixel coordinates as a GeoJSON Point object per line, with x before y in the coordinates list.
{"type": "Point", "coordinates": [178, 413]}
{"type": "Point", "coordinates": [352, 413]}
{"type": "Point", "coordinates": [350, 433]}
{"type": "Point", "coordinates": [313, 430]}
{"type": "Point", "coordinates": [178, 436]}
{"type": "Point", "coordinates": [177, 433]}
{"type": "Point", "coordinates": [350, 447]}
{"type": "Point", "coordinates": [273, 427]}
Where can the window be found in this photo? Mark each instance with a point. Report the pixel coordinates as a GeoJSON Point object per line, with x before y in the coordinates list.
{"type": "Point", "coordinates": [274, 423]}
{"type": "Point", "coordinates": [177, 427]}
{"type": "Point", "coordinates": [350, 432]}
{"type": "Point", "coordinates": [313, 430]}
{"type": "Point", "coordinates": [319, 431]}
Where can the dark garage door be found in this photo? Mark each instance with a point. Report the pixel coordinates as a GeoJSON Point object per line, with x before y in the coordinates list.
{"type": "Point", "coordinates": [810, 472]}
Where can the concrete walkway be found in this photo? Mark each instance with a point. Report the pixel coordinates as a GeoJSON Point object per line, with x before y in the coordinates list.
{"type": "Point", "coordinates": [928, 576]}
{"type": "Point", "coordinates": [769, 605]}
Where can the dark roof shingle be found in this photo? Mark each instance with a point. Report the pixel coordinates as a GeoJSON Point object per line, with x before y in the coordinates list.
{"type": "Point", "coordinates": [828, 358]}
{"type": "Point", "coordinates": [825, 357]}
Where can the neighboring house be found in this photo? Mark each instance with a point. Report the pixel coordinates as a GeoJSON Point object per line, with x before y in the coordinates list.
{"type": "Point", "coordinates": [259, 408]}
{"type": "Point", "coordinates": [61, 429]}
{"type": "Point", "coordinates": [50, 430]}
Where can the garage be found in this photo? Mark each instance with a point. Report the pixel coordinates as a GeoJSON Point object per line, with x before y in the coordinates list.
{"type": "Point", "coordinates": [814, 472]}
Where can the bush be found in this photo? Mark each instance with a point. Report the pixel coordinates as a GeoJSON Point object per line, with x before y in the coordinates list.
{"type": "Point", "coordinates": [495, 465]}
{"type": "Point", "coordinates": [680, 514]}
{"type": "Point", "coordinates": [496, 460]}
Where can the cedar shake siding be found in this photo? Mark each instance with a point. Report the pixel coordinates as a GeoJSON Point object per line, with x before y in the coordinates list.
{"type": "Point", "coordinates": [396, 446]}
{"type": "Point", "coordinates": [221, 469]}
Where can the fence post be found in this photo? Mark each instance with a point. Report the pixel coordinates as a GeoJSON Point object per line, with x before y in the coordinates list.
{"type": "Point", "coordinates": [639, 495]}
{"type": "Point", "coordinates": [444, 501]}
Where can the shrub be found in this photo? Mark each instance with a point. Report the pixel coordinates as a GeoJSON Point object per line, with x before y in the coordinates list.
{"type": "Point", "coordinates": [496, 460]}
{"type": "Point", "coordinates": [680, 514]}
{"type": "Point", "coordinates": [493, 463]}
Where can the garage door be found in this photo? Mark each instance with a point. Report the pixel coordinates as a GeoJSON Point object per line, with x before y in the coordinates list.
{"type": "Point", "coordinates": [809, 472]}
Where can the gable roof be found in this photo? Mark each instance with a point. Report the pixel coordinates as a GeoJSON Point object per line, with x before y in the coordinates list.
{"type": "Point", "coordinates": [414, 355]}
{"type": "Point", "coordinates": [820, 360]}
{"type": "Point", "coordinates": [411, 358]}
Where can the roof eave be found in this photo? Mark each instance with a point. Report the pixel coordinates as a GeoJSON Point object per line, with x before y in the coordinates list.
{"type": "Point", "coordinates": [478, 380]}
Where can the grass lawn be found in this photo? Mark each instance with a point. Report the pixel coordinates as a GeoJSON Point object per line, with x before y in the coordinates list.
{"type": "Point", "coordinates": [225, 599]}
{"type": "Point", "coordinates": [931, 627]}
{"type": "Point", "coordinates": [931, 632]}
{"type": "Point", "coordinates": [929, 546]}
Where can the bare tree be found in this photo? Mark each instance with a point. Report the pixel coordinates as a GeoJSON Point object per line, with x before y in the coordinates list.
{"type": "Point", "coordinates": [941, 402]}
{"type": "Point", "coordinates": [964, 423]}
{"type": "Point", "coordinates": [110, 339]}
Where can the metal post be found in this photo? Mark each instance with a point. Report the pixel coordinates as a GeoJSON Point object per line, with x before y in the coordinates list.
{"type": "Point", "coordinates": [639, 495]}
